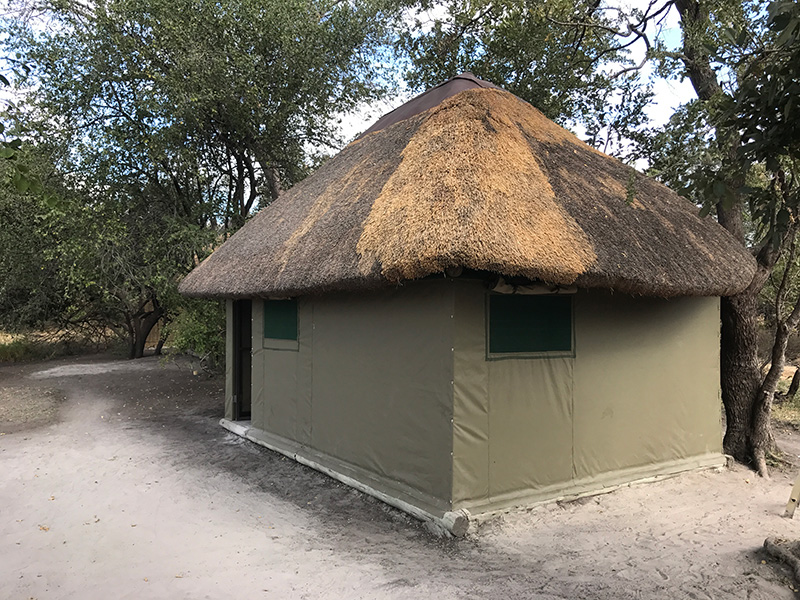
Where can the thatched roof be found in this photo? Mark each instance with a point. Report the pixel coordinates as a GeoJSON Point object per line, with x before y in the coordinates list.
{"type": "Point", "coordinates": [480, 180]}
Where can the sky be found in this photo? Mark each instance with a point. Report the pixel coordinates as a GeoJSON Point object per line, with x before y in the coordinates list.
{"type": "Point", "coordinates": [668, 94]}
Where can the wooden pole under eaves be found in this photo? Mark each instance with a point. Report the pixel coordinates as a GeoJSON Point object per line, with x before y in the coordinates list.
{"type": "Point", "coordinates": [794, 497]}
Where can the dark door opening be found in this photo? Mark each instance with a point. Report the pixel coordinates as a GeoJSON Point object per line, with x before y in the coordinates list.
{"type": "Point", "coordinates": [242, 359]}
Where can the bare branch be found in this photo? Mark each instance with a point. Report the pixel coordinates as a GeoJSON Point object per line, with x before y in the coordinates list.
{"type": "Point", "coordinates": [677, 55]}
{"type": "Point", "coordinates": [587, 25]}
{"type": "Point", "coordinates": [640, 35]}
{"type": "Point", "coordinates": [780, 294]}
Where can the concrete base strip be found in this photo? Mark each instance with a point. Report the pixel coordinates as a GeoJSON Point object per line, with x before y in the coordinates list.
{"type": "Point", "coordinates": [591, 486]}
{"type": "Point", "coordinates": [455, 523]}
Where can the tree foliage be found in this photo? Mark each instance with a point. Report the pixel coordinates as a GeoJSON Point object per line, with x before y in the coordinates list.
{"type": "Point", "coordinates": [214, 102]}
{"type": "Point", "coordinates": [167, 124]}
{"type": "Point", "coordinates": [540, 52]}
{"type": "Point", "coordinates": [765, 112]}
{"type": "Point", "coordinates": [31, 286]}
{"type": "Point", "coordinates": [200, 329]}
{"type": "Point", "coordinates": [766, 104]}
{"type": "Point", "coordinates": [744, 165]}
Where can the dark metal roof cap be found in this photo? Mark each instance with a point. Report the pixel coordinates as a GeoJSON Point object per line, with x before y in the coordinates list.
{"type": "Point", "coordinates": [429, 99]}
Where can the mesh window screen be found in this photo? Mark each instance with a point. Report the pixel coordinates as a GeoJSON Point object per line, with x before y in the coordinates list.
{"type": "Point", "coordinates": [529, 324]}
{"type": "Point", "coordinates": [280, 319]}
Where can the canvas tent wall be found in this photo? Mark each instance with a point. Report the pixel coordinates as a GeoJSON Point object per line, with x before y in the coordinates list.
{"type": "Point", "coordinates": [395, 389]}
{"type": "Point", "coordinates": [366, 391]}
{"type": "Point", "coordinates": [638, 397]}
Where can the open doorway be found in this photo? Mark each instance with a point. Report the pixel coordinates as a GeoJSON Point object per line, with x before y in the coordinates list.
{"type": "Point", "coordinates": [242, 358]}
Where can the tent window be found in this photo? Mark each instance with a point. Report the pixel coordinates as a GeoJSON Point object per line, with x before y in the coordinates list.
{"type": "Point", "coordinates": [529, 325]}
{"type": "Point", "coordinates": [280, 319]}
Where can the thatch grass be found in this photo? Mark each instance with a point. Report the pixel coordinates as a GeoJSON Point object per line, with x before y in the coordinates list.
{"type": "Point", "coordinates": [468, 169]}
{"type": "Point", "coordinates": [483, 181]}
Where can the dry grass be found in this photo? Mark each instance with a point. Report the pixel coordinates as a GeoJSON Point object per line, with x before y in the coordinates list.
{"type": "Point", "coordinates": [787, 413]}
{"type": "Point", "coordinates": [484, 181]}
{"type": "Point", "coordinates": [7, 338]}
{"type": "Point", "coordinates": [470, 193]}
{"type": "Point", "coordinates": [22, 349]}
{"type": "Point", "coordinates": [36, 345]}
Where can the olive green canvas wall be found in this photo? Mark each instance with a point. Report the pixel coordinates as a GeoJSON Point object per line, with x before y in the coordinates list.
{"type": "Point", "coordinates": [229, 359]}
{"type": "Point", "coordinates": [639, 397]}
{"type": "Point", "coordinates": [369, 382]}
{"type": "Point", "coordinates": [646, 381]}
{"type": "Point", "coordinates": [398, 387]}
{"type": "Point", "coordinates": [282, 372]}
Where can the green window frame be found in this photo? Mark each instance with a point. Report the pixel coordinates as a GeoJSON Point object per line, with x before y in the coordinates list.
{"type": "Point", "coordinates": [529, 326]}
{"type": "Point", "coordinates": [280, 324]}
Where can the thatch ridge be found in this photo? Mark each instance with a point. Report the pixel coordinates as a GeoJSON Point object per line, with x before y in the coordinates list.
{"type": "Point", "coordinates": [429, 99]}
{"type": "Point", "coordinates": [483, 181]}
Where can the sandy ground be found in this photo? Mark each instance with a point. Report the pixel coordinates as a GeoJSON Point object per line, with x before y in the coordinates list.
{"type": "Point", "coordinates": [117, 482]}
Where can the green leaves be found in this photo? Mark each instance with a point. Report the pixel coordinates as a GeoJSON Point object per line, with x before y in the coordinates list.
{"type": "Point", "coordinates": [765, 108]}
{"type": "Point", "coordinates": [161, 126]}
{"type": "Point", "coordinates": [783, 18]}
{"type": "Point", "coordinates": [712, 186]}
{"type": "Point", "coordinates": [222, 98]}
{"type": "Point", "coordinates": [521, 45]}
{"type": "Point", "coordinates": [20, 175]}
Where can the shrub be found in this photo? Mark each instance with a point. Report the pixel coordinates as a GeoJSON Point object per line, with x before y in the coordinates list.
{"type": "Point", "coordinates": [23, 349]}
{"type": "Point", "coordinates": [199, 329]}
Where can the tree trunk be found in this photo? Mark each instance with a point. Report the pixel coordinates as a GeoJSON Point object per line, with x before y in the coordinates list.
{"type": "Point", "coordinates": [740, 375]}
{"type": "Point", "coordinates": [141, 324]}
{"type": "Point", "coordinates": [162, 336]}
{"type": "Point", "coordinates": [739, 372]}
{"type": "Point", "coordinates": [794, 386]}
{"type": "Point", "coordinates": [748, 433]}
{"type": "Point", "coordinates": [763, 442]}
{"type": "Point", "coordinates": [746, 393]}
{"type": "Point", "coordinates": [131, 335]}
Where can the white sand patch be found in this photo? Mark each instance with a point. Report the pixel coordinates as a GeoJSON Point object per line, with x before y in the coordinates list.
{"type": "Point", "coordinates": [115, 500]}
{"type": "Point", "coordinates": [93, 369]}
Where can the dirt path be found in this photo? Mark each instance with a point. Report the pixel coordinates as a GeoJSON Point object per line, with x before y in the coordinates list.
{"type": "Point", "coordinates": [117, 482]}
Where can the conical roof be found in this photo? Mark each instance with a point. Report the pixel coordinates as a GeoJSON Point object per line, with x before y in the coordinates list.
{"type": "Point", "coordinates": [477, 179]}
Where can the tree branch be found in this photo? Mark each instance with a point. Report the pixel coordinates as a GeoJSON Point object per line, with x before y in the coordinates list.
{"type": "Point", "coordinates": [780, 294]}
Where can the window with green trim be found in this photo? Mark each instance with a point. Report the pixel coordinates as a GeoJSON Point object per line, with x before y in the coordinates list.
{"type": "Point", "coordinates": [533, 325]}
{"type": "Point", "coordinates": [280, 319]}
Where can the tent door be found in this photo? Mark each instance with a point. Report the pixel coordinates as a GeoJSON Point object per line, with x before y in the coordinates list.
{"type": "Point", "coordinates": [242, 359]}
